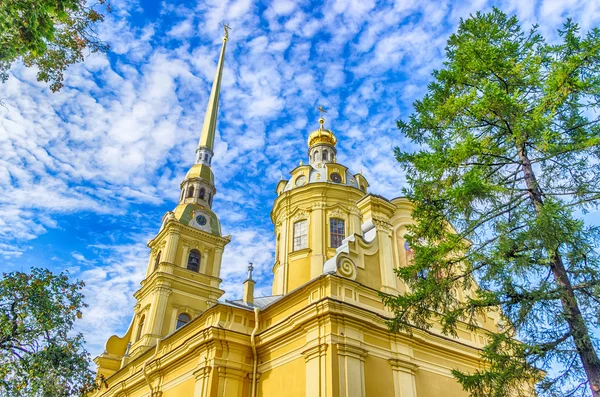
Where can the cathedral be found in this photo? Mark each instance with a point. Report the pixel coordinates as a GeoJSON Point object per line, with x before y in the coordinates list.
{"type": "Point", "coordinates": [323, 330]}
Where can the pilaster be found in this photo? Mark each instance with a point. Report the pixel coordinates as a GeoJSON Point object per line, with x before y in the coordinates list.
{"type": "Point", "coordinates": [317, 236]}
{"type": "Point", "coordinates": [352, 370]}
{"type": "Point", "coordinates": [404, 378]}
{"type": "Point", "coordinates": [316, 370]}
{"type": "Point", "coordinates": [201, 375]}
{"type": "Point", "coordinates": [159, 304]}
{"type": "Point", "coordinates": [172, 240]}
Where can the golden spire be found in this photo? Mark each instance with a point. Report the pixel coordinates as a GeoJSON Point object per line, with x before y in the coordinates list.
{"type": "Point", "coordinates": [207, 138]}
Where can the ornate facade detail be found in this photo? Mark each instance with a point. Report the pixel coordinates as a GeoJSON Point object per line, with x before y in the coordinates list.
{"type": "Point", "coordinates": [337, 213]}
{"type": "Point", "coordinates": [300, 215]}
{"type": "Point", "coordinates": [347, 268]}
{"type": "Point", "coordinates": [319, 205]}
{"type": "Point", "coordinates": [383, 225]}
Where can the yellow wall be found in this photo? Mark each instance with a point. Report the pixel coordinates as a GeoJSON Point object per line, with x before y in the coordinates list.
{"type": "Point", "coordinates": [379, 380]}
{"type": "Point", "coordinates": [288, 380]}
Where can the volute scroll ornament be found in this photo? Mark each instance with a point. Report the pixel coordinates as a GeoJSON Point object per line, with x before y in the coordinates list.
{"type": "Point", "coordinates": [347, 268]}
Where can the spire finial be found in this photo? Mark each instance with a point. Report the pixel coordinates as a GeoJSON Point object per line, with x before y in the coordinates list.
{"type": "Point", "coordinates": [250, 269]}
{"type": "Point", "coordinates": [227, 29]}
{"type": "Point", "coordinates": [321, 109]}
{"type": "Point", "coordinates": [207, 137]}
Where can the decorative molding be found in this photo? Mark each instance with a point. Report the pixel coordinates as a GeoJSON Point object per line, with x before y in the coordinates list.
{"type": "Point", "coordinates": [228, 372]}
{"type": "Point", "coordinates": [403, 365]}
{"type": "Point", "coordinates": [202, 372]}
{"type": "Point", "coordinates": [300, 215]}
{"type": "Point", "coordinates": [319, 205]}
{"type": "Point", "coordinates": [357, 352]}
{"type": "Point", "coordinates": [337, 213]}
{"type": "Point", "coordinates": [382, 225]}
{"type": "Point", "coordinates": [315, 352]}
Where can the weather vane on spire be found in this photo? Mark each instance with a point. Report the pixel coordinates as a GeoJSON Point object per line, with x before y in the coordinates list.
{"type": "Point", "coordinates": [227, 29]}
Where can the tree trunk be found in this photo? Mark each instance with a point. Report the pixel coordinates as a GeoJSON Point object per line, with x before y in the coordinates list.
{"type": "Point", "coordinates": [577, 326]}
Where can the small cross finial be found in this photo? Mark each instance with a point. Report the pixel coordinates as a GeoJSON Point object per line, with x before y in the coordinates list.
{"type": "Point", "coordinates": [321, 109]}
{"type": "Point", "coordinates": [227, 29]}
{"type": "Point", "coordinates": [250, 269]}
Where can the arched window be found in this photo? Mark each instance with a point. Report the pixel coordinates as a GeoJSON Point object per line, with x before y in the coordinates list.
{"type": "Point", "coordinates": [201, 194]}
{"type": "Point", "coordinates": [205, 156]}
{"type": "Point", "coordinates": [157, 260]}
{"type": "Point", "coordinates": [140, 327]}
{"type": "Point", "coordinates": [209, 199]}
{"type": "Point", "coordinates": [190, 192]}
{"type": "Point", "coordinates": [193, 263]}
{"type": "Point", "coordinates": [325, 155]}
{"type": "Point", "coordinates": [182, 320]}
{"type": "Point", "coordinates": [336, 232]}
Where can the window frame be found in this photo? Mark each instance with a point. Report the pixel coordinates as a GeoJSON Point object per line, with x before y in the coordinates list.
{"type": "Point", "coordinates": [334, 235]}
{"type": "Point", "coordinates": [300, 242]}
{"type": "Point", "coordinates": [190, 192]}
{"type": "Point", "coordinates": [187, 265]}
{"type": "Point", "coordinates": [180, 323]}
{"type": "Point", "coordinates": [140, 327]}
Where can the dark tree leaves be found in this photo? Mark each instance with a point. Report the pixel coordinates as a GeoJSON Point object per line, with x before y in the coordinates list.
{"type": "Point", "coordinates": [48, 34]}
{"type": "Point", "coordinates": [39, 353]}
{"type": "Point", "coordinates": [509, 160]}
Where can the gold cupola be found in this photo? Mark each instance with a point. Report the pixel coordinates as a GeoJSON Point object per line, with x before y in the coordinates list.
{"type": "Point", "coordinates": [321, 146]}
{"type": "Point", "coordinates": [321, 136]}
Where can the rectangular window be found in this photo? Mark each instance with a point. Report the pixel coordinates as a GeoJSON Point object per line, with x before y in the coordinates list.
{"type": "Point", "coordinates": [300, 235]}
{"type": "Point", "coordinates": [336, 232]}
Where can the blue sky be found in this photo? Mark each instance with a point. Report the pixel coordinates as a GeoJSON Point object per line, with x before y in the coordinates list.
{"type": "Point", "coordinates": [86, 174]}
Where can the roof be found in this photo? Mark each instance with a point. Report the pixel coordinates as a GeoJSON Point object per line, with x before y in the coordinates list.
{"type": "Point", "coordinates": [261, 302]}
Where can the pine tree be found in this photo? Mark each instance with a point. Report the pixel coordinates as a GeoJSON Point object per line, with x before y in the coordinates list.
{"type": "Point", "coordinates": [509, 160]}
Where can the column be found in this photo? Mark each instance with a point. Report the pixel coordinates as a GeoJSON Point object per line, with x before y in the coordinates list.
{"type": "Point", "coordinates": [352, 370]}
{"type": "Point", "coordinates": [316, 379]}
{"type": "Point", "coordinates": [404, 378]}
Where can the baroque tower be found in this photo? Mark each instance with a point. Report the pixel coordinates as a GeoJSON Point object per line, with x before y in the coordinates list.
{"type": "Point", "coordinates": [315, 210]}
{"type": "Point", "coordinates": [182, 277]}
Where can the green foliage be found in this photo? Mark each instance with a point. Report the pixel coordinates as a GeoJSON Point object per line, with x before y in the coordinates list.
{"type": "Point", "coordinates": [39, 353]}
{"type": "Point", "coordinates": [509, 159]}
{"type": "Point", "coordinates": [48, 34]}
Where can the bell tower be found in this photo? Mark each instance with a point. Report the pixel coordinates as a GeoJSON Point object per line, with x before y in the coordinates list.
{"type": "Point", "coordinates": [182, 278]}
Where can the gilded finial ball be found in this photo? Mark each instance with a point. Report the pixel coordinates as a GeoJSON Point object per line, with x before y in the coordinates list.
{"type": "Point", "coordinates": [321, 121]}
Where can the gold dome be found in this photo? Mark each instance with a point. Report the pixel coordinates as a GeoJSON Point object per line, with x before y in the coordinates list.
{"type": "Point", "coordinates": [321, 136]}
